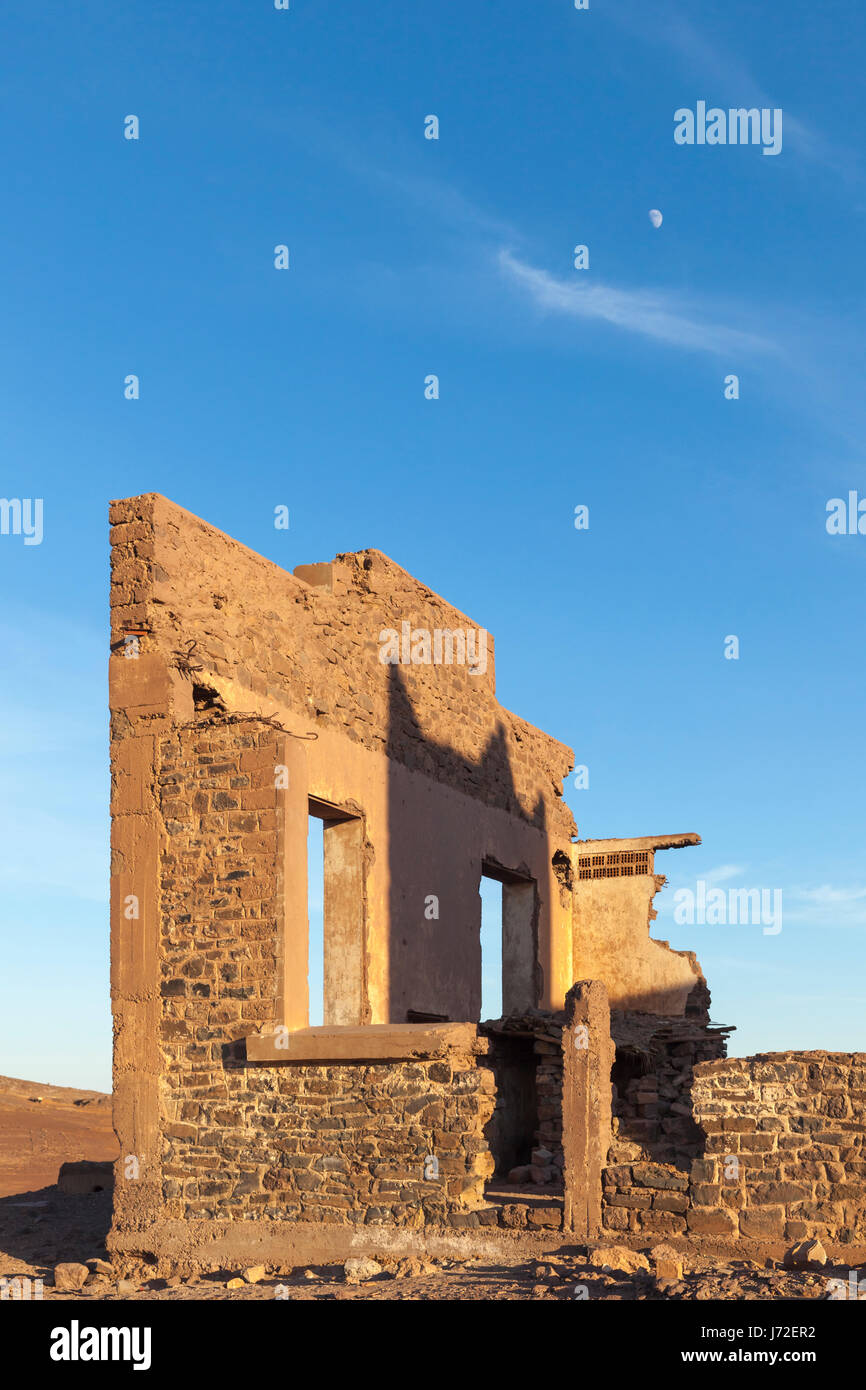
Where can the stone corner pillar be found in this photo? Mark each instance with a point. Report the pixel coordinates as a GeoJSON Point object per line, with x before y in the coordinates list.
{"type": "Point", "coordinates": [588, 1054]}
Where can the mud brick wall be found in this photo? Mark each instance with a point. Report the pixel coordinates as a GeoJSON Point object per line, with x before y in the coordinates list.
{"type": "Point", "coordinates": [292, 1142]}
{"type": "Point", "coordinates": [783, 1155]}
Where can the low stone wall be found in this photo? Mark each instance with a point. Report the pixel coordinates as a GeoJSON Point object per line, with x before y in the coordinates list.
{"type": "Point", "coordinates": [644, 1198]}
{"type": "Point", "coordinates": [784, 1156]}
{"type": "Point", "coordinates": [350, 1143]}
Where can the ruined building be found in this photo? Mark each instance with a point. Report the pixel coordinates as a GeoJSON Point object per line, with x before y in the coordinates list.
{"type": "Point", "coordinates": [245, 700]}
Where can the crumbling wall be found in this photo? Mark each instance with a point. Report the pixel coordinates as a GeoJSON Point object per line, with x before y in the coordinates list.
{"type": "Point", "coordinates": [782, 1156]}
{"type": "Point", "coordinates": [792, 1127]}
{"type": "Point", "coordinates": [267, 641]}
{"type": "Point", "coordinates": [654, 1074]}
{"type": "Point", "coordinates": [614, 887]}
{"type": "Point", "coordinates": [224, 669]}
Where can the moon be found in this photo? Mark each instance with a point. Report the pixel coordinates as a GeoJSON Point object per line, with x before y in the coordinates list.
{"type": "Point", "coordinates": [655, 217]}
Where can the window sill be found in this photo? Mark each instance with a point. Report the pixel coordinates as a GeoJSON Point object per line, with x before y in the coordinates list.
{"type": "Point", "coordinates": [375, 1042]}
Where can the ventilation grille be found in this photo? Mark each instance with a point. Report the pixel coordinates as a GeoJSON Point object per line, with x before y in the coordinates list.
{"type": "Point", "coordinates": [620, 864]}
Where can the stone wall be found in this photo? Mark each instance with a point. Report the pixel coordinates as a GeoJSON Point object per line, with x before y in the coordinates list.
{"type": "Point", "coordinates": [782, 1156]}
{"type": "Point", "coordinates": [346, 1143]}
{"type": "Point", "coordinates": [792, 1126]}
{"type": "Point", "coordinates": [292, 1142]}
{"type": "Point", "coordinates": [215, 628]}
{"type": "Point", "coordinates": [224, 668]}
{"type": "Point", "coordinates": [654, 1081]}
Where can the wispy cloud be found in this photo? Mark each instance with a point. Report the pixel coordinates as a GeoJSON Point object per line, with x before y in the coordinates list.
{"type": "Point", "coordinates": [826, 906]}
{"type": "Point", "coordinates": [822, 907]}
{"type": "Point", "coordinates": [664, 316]}
{"type": "Point", "coordinates": [723, 874]}
{"type": "Point", "coordinates": [710, 61]}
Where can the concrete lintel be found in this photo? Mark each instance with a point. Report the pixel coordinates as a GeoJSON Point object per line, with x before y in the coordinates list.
{"type": "Point", "coordinates": [641, 842]}
{"type": "Point", "coordinates": [373, 1042]}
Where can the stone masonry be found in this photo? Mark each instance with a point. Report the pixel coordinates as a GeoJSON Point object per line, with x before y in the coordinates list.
{"type": "Point", "coordinates": [245, 700]}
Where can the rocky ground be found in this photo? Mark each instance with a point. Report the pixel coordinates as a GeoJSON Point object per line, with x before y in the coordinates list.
{"type": "Point", "coordinates": [42, 1230]}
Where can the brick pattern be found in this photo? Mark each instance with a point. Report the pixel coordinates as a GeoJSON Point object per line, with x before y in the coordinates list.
{"type": "Point", "coordinates": [795, 1122]}
{"type": "Point", "coordinates": [617, 864]}
{"type": "Point", "coordinates": [644, 1198]}
{"type": "Point", "coordinates": [291, 1142]}
{"type": "Point", "coordinates": [783, 1155]}
{"type": "Point", "coordinates": [346, 1143]}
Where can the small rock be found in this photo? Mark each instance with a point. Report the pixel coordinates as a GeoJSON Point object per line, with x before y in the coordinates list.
{"type": "Point", "coordinates": [806, 1252]}
{"type": "Point", "coordinates": [412, 1268]}
{"type": "Point", "coordinates": [542, 1158]}
{"type": "Point", "coordinates": [235, 1284]}
{"type": "Point", "coordinates": [70, 1276]}
{"type": "Point", "coordinates": [310, 1274]}
{"type": "Point", "coordinates": [125, 1287]}
{"type": "Point", "coordinates": [666, 1263]}
{"type": "Point", "coordinates": [101, 1267]}
{"type": "Point", "coordinates": [618, 1259]}
{"type": "Point", "coordinates": [520, 1174]}
{"type": "Point", "coordinates": [255, 1274]}
{"type": "Point", "coordinates": [541, 1175]}
{"type": "Point", "coordinates": [357, 1271]}
{"type": "Point", "coordinates": [670, 1286]}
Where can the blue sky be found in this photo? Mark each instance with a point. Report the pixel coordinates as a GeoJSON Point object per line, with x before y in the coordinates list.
{"type": "Point", "coordinates": [558, 387]}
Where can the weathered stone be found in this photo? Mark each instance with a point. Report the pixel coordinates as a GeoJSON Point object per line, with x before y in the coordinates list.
{"type": "Point", "coordinates": [807, 1252]}
{"type": "Point", "coordinates": [70, 1276]}
{"type": "Point", "coordinates": [666, 1263]}
{"type": "Point", "coordinates": [618, 1259]}
{"type": "Point", "coordinates": [658, 1176]}
{"type": "Point", "coordinates": [711, 1221]}
{"type": "Point", "coordinates": [357, 1271]}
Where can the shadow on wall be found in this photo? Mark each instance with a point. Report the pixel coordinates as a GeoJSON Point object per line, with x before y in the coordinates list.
{"type": "Point", "coordinates": [436, 859]}
{"type": "Point", "coordinates": [653, 1077]}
